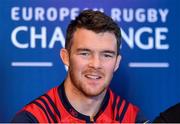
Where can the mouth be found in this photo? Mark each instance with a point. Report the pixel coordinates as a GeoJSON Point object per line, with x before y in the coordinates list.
{"type": "Point", "coordinates": [93, 76]}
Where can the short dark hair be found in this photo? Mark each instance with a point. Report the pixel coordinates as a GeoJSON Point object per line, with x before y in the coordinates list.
{"type": "Point", "coordinates": [95, 21]}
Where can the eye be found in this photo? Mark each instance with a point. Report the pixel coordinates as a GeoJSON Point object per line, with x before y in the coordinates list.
{"type": "Point", "coordinates": [84, 53]}
{"type": "Point", "coordinates": [106, 55]}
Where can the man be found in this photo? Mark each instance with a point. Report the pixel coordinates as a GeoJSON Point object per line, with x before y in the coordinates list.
{"type": "Point", "coordinates": [91, 54]}
{"type": "Point", "coordinates": [170, 115]}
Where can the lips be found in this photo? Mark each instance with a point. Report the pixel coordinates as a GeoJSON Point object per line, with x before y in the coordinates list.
{"type": "Point", "coordinates": [92, 76]}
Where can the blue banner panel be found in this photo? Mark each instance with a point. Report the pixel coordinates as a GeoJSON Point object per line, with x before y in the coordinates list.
{"type": "Point", "coordinates": [33, 32]}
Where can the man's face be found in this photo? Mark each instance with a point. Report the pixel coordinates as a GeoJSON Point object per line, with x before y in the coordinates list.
{"type": "Point", "coordinates": [92, 61]}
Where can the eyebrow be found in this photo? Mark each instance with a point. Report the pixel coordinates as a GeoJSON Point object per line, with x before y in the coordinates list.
{"type": "Point", "coordinates": [104, 51]}
{"type": "Point", "coordinates": [109, 51]}
{"type": "Point", "coordinates": [83, 49]}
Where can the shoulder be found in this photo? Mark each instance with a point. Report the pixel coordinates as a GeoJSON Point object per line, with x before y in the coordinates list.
{"type": "Point", "coordinates": [37, 110]}
{"type": "Point", "coordinates": [170, 115]}
{"type": "Point", "coordinates": [124, 110]}
{"type": "Point", "coordinates": [25, 117]}
{"type": "Point", "coordinates": [120, 102]}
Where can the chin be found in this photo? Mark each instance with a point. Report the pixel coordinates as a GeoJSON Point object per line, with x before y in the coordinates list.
{"type": "Point", "coordinates": [93, 93]}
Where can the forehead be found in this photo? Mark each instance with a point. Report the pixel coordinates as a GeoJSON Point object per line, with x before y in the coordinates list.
{"type": "Point", "coordinates": [89, 39]}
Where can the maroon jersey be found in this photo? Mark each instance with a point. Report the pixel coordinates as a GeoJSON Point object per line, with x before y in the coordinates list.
{"type": "Point", "coordinates": [54, 107]}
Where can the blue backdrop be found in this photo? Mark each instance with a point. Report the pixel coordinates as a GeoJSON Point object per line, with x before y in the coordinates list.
{"type": "Point", "coordinates": [32, 33]}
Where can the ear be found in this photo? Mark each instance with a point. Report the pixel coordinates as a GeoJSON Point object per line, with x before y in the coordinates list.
{"type": "Point", "coordinates": [117, 62]}
{"type": "Point", "coordinates": [64, 54]}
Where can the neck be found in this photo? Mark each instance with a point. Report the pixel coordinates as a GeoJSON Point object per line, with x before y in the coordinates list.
{"type": "Point", "coordinates": [87, 105]}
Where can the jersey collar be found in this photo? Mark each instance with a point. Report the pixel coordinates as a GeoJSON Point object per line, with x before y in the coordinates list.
{"type": "Point", "coordinates": [74, 112]}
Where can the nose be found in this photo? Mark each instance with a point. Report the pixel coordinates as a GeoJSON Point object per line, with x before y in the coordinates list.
{"type": "Point", "coordinates": [95, 62]}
